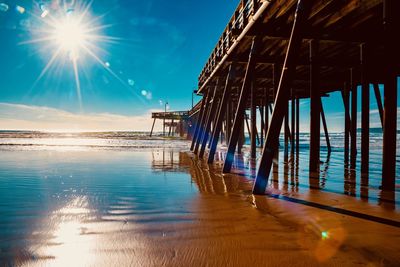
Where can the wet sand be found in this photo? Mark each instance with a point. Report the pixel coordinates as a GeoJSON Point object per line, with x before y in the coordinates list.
{"type": "Point", "coordinates": [173, 210]}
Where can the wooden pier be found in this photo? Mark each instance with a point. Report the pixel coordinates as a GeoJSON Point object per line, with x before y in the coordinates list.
{"type": "Point", "coordinates": [273, 53]}
{"type": "Point", "coordinates": [175, 121]}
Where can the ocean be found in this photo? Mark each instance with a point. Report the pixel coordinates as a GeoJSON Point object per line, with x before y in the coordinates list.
{"type": "Point", "coordinates": [89, 199]}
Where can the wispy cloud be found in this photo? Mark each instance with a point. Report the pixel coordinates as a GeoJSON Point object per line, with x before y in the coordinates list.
{"type": "Point", "coordinates": [24, 117]}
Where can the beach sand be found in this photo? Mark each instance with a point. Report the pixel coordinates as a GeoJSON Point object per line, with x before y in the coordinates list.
{"type": "Point", "coordinates": [210, 220]}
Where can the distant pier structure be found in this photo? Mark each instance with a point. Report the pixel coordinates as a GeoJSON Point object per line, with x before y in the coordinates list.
{"type": "Point", "coordinates": [273, 53]}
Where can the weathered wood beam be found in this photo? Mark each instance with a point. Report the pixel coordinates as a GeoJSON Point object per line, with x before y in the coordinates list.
{"type": "Point", "coordinates": [353, 128]}
{"type": "Point", "coordinates": [297, 126]}
{"type": "Point", "coordinates": [328, 142]}
{"type": "Point", "coordinates": [379, 101]}
{"type": "Point", "coordinates": [211, 116]}
{"type": "Point", "coordinates": [347, 122]}
{"type": "Point", "coordinates": [281, 100]}
{"type": "Point", "coordinates": [253, 120]}
{"type": "Point", "coordinates": [203, 122]}
{"type": "Point", "coordinates": [152, 127]}
{"type": "Point", "coordinates": [286, 135]}
{"type": "Point", "coordinates": [293, 124]}
{"type": "Point", "coordinates": [365, 110]}
{"type": "Point", "coordinates": [262, 124]}
{"type": "Point", "coordinates": [238, 121]}
{"type": "Point", "coordinates": [221, 113]}
{"type": "Point", "coordinates": [266, 113]}
{"type": "Point", "coordinates": [315, 108]}
{"type": "Point", "coordinates": [199, 120]}
{"type": "Point", "coordinates": [391, 22]}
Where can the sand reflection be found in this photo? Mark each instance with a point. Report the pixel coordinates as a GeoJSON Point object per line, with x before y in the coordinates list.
{"type": "Point", "coordinates": [69, 244]}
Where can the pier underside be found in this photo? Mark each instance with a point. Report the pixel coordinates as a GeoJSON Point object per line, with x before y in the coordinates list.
{"type": "Point", "coordinates": [274, 53]}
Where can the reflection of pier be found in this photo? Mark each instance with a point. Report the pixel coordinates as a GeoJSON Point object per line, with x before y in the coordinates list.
{"type": "Point", "coordinates": [167, 160]}
{"type": "Point", "coordinates": [273, 54]}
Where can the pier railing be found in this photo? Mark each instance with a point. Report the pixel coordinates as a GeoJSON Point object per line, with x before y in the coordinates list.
{"type": "Point", "coordinates": [173, 115]}
{"type": "Point", "coordinates": [237, 23]}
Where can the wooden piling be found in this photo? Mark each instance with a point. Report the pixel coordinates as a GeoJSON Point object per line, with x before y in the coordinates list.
{"type": "Point", "coordinates": [221, 113]}
{"type": "Point", "coordinates": [365, 102]}
{"type": "Point", "coordinates": [391, 22]}
{"type": "Point", "coordinates": [152, 127]}
{"type": "Point", "coordinates": [293, 124]}
{"type": "Point", "coordinates": [280, 106]}
{"type": "Point", "coordinates": [198, 121]}
{"type": "Point", "coordinates": [353, 129]}
{"type": "Point", "coordinates": [204, 116]}
{"type": "Point", "coordinates": [244, 95]}
{"type": "Point", "coordinates": [379, 101]}
{"type": "Point", "coordinates": [297, 126]}
{"type": "Point", "coordinates": [210, 118]}
{"type": "Point", "coordinates": [346, 122]}
{"type": "Point", "coordinates": [328, 142]}
{"type": "Point", "coordinates": [315, 108]}
{"type": "Point", "coordinates": [253, 121]}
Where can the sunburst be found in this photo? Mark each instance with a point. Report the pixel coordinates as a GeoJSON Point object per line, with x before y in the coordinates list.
{"type": "Point", "coordinates": [70, 33]}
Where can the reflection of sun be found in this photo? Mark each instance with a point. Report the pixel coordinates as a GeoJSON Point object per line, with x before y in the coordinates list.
{"type": "Point", "coordinates": [67, 34]}
{"type": "Point", "coordinates": [70, 246]}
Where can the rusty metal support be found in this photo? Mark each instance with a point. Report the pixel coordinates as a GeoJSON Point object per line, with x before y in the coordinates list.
{"type": "Point", "coordinates": [210, 118]}
{"type": "Point", "coordinates": [315, 108]}
{"type": "Point", "coordinates": [244, 95]}
{"type": "Point", "coordinates": [365, 102]}
{"type": "Point", "coordinates": [199, 121]}
{"type": "Point", "coordinates": [391, 24]}
{"type": "Point", "coordinates": [281, 100]}
{"type": "Point", "coordinates": [221, 112]}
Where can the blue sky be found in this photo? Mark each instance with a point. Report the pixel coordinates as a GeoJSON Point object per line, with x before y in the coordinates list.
{"type": "Point", "coordinates": [160, 49]}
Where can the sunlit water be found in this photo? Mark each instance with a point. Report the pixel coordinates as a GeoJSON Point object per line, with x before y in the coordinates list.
{"type": "Point", "coordinates": [63, 196]}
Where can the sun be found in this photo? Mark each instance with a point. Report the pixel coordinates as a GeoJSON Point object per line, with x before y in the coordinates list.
{"type": "Point", "coordinates": [70, 34]}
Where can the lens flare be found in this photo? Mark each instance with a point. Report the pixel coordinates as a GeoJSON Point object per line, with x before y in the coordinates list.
{"type": "Point", "coordinates": [324, 235]}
